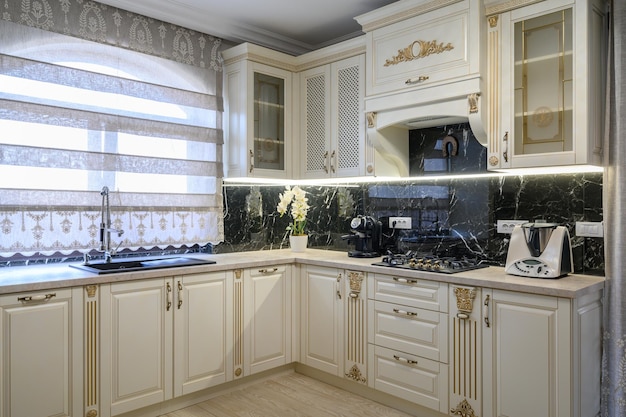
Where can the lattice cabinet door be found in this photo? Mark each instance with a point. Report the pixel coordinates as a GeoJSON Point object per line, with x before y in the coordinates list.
{"type": "Point", "coordinates": [332, 124]}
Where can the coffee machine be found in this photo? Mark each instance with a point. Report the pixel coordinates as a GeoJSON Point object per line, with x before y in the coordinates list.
{"type": "Point", "coordinates": [366, 236]}
{"type": "Point", "coordinates": [539, 250]}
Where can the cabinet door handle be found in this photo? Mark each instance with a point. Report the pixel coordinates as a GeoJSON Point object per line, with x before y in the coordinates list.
{"type": "Point", "coordinates": [406, 313]}
{"type": "Point", "coordinates": [333, 161]}
{"type": "Point", "coordinates": [41, 297]}
{"type": "Point", "coordinates": [401, 359]}
{"type": "Point", "coordinates": [505, 143]}
{"type": "Point", "coordinates": [486, 311]}
{"type": "Point", "coordinates": [180, 295]}
{"type": "Point", "coordinates": [326, 162]}
{"type": "Point", "coordinates": [405, 281]}
{"type": "Point", "coordinates": [417, 80]}
{"type": "Point", "coordinates": [268, 271]}
{"type": "Point", "coordinates": [169, 296]}
{"type": "Point", "coordinates": [251, 161]}
{"type": "Point", "coordinates": [338, 286]}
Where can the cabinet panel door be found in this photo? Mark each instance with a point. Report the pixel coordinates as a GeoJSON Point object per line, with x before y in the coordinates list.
{"type": "Point", "coordinates": [203, 332]}
{"type": "Point", "coordinates": [137, 348]}
{"type": "Point", "coordinates": [315, 129]}
{"type": "Point", "coordinates": [530, 355]}
{"type": "Point", "coordinates": [267, 311]}
{"type": "Point", "coordinates": [37, 354]}
{"type": "Point", "coordinates": [322, 314]}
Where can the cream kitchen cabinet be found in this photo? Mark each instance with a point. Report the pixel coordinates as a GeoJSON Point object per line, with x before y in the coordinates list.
{"type": "Point", "coordinates": [333, 328]}
{"type": "Point", "coordinates": [163, 338]}
{"type": "Point", "coordinates": [258, 112]}
{"type": "Point", "coordinates": [408, 339]}
{"type": "Point", "coordinates": [332, 123]}
{"type": "Point", "coordinates": [414, 45]}
{"type": "Point", "coordinates": [546, 75]}
{"type": "Point", "coordinates": [267, 317]}
{"type": "Point", "coordinates": [41, 354]}
{"type": "Point", "coordinates": [541, 355]}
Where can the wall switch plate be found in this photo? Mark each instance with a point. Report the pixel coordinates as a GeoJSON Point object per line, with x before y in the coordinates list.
{"type": "Point", "coordinates": [589, 229]}
{"type": "Point", "coordinates": [506, 226]}
{"type": "Point", "coordinates": [399, 222]}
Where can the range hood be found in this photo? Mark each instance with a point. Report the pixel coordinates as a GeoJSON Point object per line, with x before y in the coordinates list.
{"type": "Point", "coordinates": [390, 117]}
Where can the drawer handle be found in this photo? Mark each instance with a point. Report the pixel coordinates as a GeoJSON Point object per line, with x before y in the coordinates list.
{"type": "Point", "coordinates": [416, 80]}
{"type": "Point", "coordinates": [180, 295]}
{"type": "Point", "coordinates": [486, 311]}
{"type": "Point", "coordinates": [401, 359]}
{"type": "Point", "coordinates": [405, 281]}
{"type": "Point", "coordinates": [168, 292]}
{"type": "Point", "coordinates": [42, 297]}
{"type": "Point", "coordinates": [268, 271]}
{"type": "Point", "coordinates": [406, 313]}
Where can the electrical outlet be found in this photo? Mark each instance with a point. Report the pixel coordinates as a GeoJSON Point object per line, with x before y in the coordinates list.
{"type": "Point", "coordinates": [399, 222]}
{"type": "Point", "coordinates": [506, 226]}
{"type": "Point", "coordinates": [589, 229]}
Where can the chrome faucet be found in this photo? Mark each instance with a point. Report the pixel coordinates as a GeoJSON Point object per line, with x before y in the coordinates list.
{"type": "Point", "coordinates": [105, 227]}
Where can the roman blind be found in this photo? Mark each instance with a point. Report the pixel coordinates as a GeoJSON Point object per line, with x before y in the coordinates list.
{"type": "Point", "coordinates": [75, 116]}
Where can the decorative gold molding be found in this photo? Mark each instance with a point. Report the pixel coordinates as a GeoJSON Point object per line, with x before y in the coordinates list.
{"type": "Point", "coordinates": [371, 119]}
{"type": "Point", "coordinates": [493, 21]}
{"type": "Point", "coordinates": [465, 299]}
{"type": "Point", "coordinates": [426, 48]}
{"type": "Point", "coordinates": [472, 100]}
{"type": "Point", "coordinates": [238, 273]}
{"type": "Point", "coordinates": [356, 375]}
{"type": "Point", "coordinates": [493, 161]}
{"type": "Point", "coordinates": [464, 409]}
{"type": "Point", "coordinates": [91, 290]}
{"type": "Point", "coordinates": [91, 413]}
{"type": "Point", "coordinates": [356, 280]}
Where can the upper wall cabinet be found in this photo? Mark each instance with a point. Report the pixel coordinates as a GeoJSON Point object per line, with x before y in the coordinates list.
{"type": "Point", "coordinates": [546, 76]}
{"type": "Point", "coordinates": [332, 120]}
{"type": "Point", "coordinates": [439, 43]}
{"type": "Point", "coordinates": [258, 113]}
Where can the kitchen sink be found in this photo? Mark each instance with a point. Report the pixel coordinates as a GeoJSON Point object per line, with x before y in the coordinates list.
{"type": "Point", "coordinates": [129, 265]}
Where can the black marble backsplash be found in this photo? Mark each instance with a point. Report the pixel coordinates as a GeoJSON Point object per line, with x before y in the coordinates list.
{"type": "Point", "coordinates": [449, 216]}
{"type": "Point", "coordinates": [457, 216]}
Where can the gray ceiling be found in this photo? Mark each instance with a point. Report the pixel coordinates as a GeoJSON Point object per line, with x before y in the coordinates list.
{"type": "Point", "coordinates": [291, 26]}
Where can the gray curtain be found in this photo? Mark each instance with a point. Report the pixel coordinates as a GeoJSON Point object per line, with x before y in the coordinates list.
{"type": "Point", "coordinates": [614, 356]}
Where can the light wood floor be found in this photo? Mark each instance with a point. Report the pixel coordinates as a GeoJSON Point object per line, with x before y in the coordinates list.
{"type": "Point", "coordinates": [288, 395]}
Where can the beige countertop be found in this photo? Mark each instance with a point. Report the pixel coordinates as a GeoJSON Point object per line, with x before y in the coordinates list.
{"type": "Point", "coordinates": [45, 277]}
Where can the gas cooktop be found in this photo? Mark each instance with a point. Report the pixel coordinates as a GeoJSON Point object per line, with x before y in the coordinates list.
{"type": "Point", "coordinates": [444, 265]}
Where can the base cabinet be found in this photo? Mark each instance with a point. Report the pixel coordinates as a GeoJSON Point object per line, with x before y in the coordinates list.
{"type": "Point", "coordinates": [163, 338]}
{"type": "Point", "coordinates": [334, 327]}
{"type": "Point", "coordinates": [541, 355]}
{"type": "Point", "coordinates": [41, 354]}
{"type": "Point", "coordinates": [267, 314]}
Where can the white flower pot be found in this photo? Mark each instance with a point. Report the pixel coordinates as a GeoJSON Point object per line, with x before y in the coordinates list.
{"type": "Point", "coordinates": [298, 243]}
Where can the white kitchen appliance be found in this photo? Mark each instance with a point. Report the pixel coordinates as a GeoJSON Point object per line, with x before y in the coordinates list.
{"type": "Point", "coordinates": [539, 250]}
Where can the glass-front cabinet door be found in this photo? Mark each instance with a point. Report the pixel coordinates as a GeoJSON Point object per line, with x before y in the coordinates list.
{"type": "Point", "coordinates": [269, 123]}
{"type": "Point", "coordinates": [546, 73]}
{"type": "Point", "coordinates": [257, 113]}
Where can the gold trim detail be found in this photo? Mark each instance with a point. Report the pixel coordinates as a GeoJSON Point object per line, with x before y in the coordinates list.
{"type": "Point", "coordinates": [493, 21]}
{"type": "Point", "coordinates": [472, 100]}
{"type": "Point", "coordinates": [355, 374]}
{"type": "Point", "coordinates": [91, 290]}
{"type": "Point", "coordinates": [371, 119]}
{"type": "Point", "coordinates": [493, 161]}
{"type": "Point", "coordinates": [426, 48]}
{"type": "Point", "coordinates": [356, 280]}
{"type": "Point", "coordinates": [238, 372]}
{"type": "Point", "coordinates": [91, 413]}
{"type": "Point", "coordinates": [238, 273]}
{"type": "Point", "coordinates": [465, 299]}
{"type": "Point", "coordinates": [464, 409]}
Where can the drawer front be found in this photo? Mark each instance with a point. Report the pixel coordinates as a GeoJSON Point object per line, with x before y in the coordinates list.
{"type": "Point", "coordinates": [433, 46]}
{"type": "Point", "coordinates": [410, 377]}
{"type": "Point", "coordinates": [407, 329]}
{"type": "Point", "coordinates": [410, 292]}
